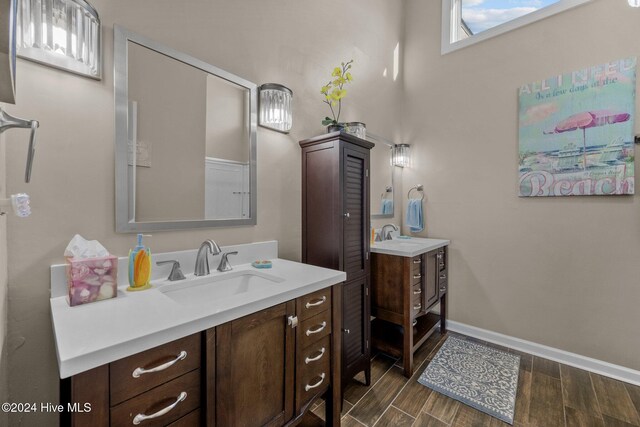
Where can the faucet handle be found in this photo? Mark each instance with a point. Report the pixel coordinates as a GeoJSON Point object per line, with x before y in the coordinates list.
{"type": "Point", "coordinates": [176, 273]}
{"type": "Point", "coordinates": [224, 262]}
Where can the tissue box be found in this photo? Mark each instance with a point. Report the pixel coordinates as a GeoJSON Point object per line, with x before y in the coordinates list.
{"type": "Point", "coordinates": [92, 279]}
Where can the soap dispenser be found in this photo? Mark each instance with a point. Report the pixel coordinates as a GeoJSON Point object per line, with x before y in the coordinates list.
{"type": "Point", "coordinates": [139, 267]}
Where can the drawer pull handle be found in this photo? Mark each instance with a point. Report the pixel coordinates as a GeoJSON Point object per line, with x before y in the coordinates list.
{"type": "Point", "coordinates": [417, 307]}
{"type": "Point", "coordinates": [316, 303]}
{"type": "Point", "coordinates": [142, 417]}
{"type": "Point", "coordinates": [440, 255]}
{"type": "Point", "coordinates": [316, 385]}
{"type": "Point", "coordinates": [141, 371]}
{"type": "Point", "coordinates": [417, 292]}
{"type": "Point", "coordinates": [417, 261]}
{"type": "Point", "coordinates": [443, 276]}
{"type": "Point", "coordinates": [346, 331]}
{"type": "Point", "coordinates": [417, 276]}
{"type": "Point", "coordinates": [317, 330]}
{"type": "Point", "coordinates": [443, 289]}
{"type": "Point", "coordinates": [441, 265]}
{"type": "Point", "coordinates": [307, 360]}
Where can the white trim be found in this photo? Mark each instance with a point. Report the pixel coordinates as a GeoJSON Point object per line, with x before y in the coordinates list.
{"type": "Point", "coordinates": [572, 359]}
{"type": "Point", "coordinates": [449, 23]}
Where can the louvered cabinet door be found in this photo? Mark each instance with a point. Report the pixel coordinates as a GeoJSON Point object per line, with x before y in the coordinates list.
{"type": "Point", "coordinates": [356, 212]}
{"type": "Point", "coordinates": [355, 327]}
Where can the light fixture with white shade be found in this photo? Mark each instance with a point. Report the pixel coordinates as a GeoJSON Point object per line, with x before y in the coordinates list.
{"type": "Point", "coordinates": [63, 34]}
{"type": "Point", "coordinates": [401, 155]}
{"type": "Point", "coordinates": [634, 3]}
{"type": "Point", "coordinates": [275, 107]}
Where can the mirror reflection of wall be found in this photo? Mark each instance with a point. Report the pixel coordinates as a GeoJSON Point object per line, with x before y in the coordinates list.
{"type": "Point", "coordinates": [190, 130]}
{"type": "Point", "coordinates": [381, 180]}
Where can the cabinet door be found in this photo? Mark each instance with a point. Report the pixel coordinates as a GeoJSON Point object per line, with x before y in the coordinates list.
{"type": "Point", "coordinates": [356, 212]}
{"type": "Point", "coordinates": [431, 278]}
{"type": "Point", "coordinates": [254, 369]}
{"type": "Point", "coordinates": [355, 323]}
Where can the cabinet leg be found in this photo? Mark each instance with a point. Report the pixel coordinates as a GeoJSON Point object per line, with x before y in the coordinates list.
{"type": "Point", "coordinates": [367, 376]}
{"type": "Point", "coordinates": [333, 408]}
{"type": "Point", "coordinates": [443, 314]}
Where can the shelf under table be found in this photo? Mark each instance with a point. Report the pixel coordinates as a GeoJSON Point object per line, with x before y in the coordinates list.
{"type": "Point", "coordinates": [389, 337]}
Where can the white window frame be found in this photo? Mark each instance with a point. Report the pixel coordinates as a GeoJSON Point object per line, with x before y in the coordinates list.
{"type": "Point", "coordinates": [451, 15]}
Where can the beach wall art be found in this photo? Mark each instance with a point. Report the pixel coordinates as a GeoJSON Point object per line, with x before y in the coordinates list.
{"type": "Point", "coordinates": [576, 133]}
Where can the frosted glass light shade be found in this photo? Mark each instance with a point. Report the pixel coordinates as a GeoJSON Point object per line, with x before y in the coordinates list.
{"type": "Point", "coordinates": [63, 34]}
{"type": "Point", "coordinates": [401, 155]}
{"type": "Point", "coordinates": [275, 107]}
{"type": "Point", "coordinates": [634, 3]}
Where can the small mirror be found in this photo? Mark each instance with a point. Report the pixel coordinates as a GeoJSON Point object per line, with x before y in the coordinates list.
{"type": "Point", "coordinates": [381, 180]}
{"type": "Point", "coordinates": [185, 140]}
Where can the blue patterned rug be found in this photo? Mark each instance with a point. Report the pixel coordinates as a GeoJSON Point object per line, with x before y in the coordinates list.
{"type": "Point", "coordinates": [479, 376]}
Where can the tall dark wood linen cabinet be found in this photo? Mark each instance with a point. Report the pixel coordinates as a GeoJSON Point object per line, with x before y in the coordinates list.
{"type": "Point", "coordinates": [335, 233]}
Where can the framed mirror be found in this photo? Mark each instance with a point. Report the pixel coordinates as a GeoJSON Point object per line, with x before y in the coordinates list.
{"type": "Point", "coordinates": [381, 178]}
{"type": "Point", "coordinates": [185, 140]}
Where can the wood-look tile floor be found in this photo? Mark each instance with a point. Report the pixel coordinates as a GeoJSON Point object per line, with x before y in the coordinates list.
{"type": "Point", "coordinates": [549, 395]}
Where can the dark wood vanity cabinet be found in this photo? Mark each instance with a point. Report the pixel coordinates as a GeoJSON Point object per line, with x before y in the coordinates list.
{"type": "Point", "coordinates": [404, 290]}
{"type": "Point", "coordinates": [335, 233]}
{"type": "Point", "coordinates": [263, 369]}
{"type": "Point", "coordinates": [255, 368]}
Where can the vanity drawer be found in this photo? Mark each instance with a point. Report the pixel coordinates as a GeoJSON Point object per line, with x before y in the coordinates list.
{"type": "Point", "coordinates": [310, 305]}
{"type": "Point", "coordinates": [442, 259]}
{"type": "Point", "coordinates": [128, 377]}
{"type": "Point", "coordinates": [416, 307]}
{"type": "Point", "coordinates": [416, 292]}
{"type": "Point", "coordinates": [314, 329]}
{"type": "Point", "coordinates": [416, 264]}
{"type": "Point", "coordinates": [313, 377]}
{"type": "Point", "coordinates": [183, 393]}
{"type": "Point", "coordinates": [444, 287]}
{"type": "Point", "coordinates": [315, 355]}
{"type": "Point", "coordinates": [416, 278]}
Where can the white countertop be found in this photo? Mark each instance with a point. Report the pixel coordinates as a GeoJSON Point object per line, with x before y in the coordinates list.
{"type": "Point", "coordinates": [90, 335]}
{"type": "Point", "coordinates": [408, 247]}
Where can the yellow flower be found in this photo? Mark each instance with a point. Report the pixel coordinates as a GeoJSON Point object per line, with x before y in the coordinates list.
{"type": "Point", "coordinates": [324, 90]}
{"type": "Point", "coordinates": [348, 76]}
{"type": "Point", "coordinates": [336, 72]}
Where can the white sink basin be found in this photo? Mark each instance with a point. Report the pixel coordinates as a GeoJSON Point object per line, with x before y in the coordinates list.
{"type": "Point", "coordinates": [203, 290]}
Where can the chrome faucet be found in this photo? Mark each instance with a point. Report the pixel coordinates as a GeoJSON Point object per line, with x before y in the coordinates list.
{"type": "Point", "coordinates": [388, 235]}
{"type": "Point", "coordinates": [202, 258]}
{"type": "Point", "coordinates": [225, 265]}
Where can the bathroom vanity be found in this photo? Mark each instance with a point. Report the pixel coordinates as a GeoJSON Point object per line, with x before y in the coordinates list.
{"type": "Point", "coordinates": [408, 279]}
{"type": "Point", "coordinates": [258, 352]}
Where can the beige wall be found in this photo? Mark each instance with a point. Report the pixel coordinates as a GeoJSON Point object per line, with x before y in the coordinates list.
{"type": "Point", "coordinates": [4, 380]}
{"type": "Point", "coordinates": [296, 43]}
{"type": "Point", "coordinates": [557, 271]}
{"type": "Point", "coordinates": [171, 99]}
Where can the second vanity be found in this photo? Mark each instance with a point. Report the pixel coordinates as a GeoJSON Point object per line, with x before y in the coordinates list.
{"type": "Point", "coordinates": [241, 348]}
{"type": "Point", "coordinates": [408, 279]}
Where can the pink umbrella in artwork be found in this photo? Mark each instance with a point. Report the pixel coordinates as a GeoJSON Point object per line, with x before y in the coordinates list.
{"type": "Point", "coordinates": [588, 119]}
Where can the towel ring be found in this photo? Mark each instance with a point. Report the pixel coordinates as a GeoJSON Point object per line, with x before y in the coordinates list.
{"type": "Point", "coordinates": [387, 190]}
{"type": "Point", "coordinates": [418, 188]}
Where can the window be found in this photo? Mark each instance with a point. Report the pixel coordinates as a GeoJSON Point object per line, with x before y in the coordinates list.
{"type": "Point", "coordinates": [465, 22]}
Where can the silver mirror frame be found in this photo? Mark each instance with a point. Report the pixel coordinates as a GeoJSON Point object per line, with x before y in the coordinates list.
{"type": "Point", "coordinates": [125, 223]}
{"type": "Point", "coordinates": [381, 141]}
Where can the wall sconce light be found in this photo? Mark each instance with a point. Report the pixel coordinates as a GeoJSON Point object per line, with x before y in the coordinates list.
{"type": "Point", "coordinates": [63, 34]}
{"type": "Point", "coordinates": [634, 3]}
{"type": "Point", "coordinates": [401, 155]}
{"type": "Point", "coordinates": [275, 107]}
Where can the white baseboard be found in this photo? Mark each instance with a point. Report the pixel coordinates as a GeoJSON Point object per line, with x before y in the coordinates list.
{"type": "Point", "coordinates": [587, 363]}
